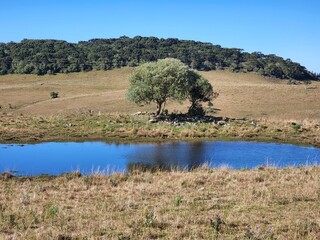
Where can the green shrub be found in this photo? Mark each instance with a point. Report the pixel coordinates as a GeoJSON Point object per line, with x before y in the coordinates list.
{"type": "Point", "coordinates": [296, 127]}
{"type": "Point", "coordinates": [54, 94]}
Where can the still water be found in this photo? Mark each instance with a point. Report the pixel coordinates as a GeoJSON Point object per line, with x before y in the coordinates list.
{"type": "Point", "coordinates": [90, 157]}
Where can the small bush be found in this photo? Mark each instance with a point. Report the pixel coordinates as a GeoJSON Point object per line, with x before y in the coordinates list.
{"type": "Point", "coordinates": [53, 211]}
{"type": "Point", "coordinates": [149, 219]}
{"type": "Point", "coordinates": [216, 223]}
{"type": "Point", "coordinates": [178, 201]}
{"type": "Point", "coordinates": [54, 94]}
{"type": "Point", "coordinates": [296, 127]}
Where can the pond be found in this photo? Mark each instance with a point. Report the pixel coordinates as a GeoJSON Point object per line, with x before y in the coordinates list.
{"type": "Point", "coordinates": [90, 157]}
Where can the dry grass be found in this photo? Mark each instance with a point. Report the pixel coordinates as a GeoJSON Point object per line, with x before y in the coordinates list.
{"type": "Point", "coordinates": [264, 203]}
{"type": "Point", "coordinates": [78, 92]}
{"type": "Point", "coordinates": [241, 95]}
{"type": "Point", "coordinates": [253, 96]}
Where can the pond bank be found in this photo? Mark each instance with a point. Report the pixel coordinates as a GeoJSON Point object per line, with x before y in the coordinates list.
{"type": "Point", "coordinates": [133, 129]}
{"type": "Point", "coordinates": [263, 203]}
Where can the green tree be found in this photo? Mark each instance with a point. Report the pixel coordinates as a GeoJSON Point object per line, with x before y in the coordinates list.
{"type": "Point", "coordinates": [200, 90]}
{"type": "Point", "coordinates": [167, 79]}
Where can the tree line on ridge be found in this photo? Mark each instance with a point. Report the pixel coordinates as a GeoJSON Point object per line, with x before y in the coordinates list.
{"type": "Point", "coordinates": [56, 56]}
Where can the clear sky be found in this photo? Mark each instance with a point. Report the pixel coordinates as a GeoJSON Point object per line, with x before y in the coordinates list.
{"type": "Point", "coordinates": [288, 28]}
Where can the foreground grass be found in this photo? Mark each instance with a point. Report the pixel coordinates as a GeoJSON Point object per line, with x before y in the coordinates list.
{"type": "Point", "coordinates": [128, 128]}
{"type": "Point", "coordinates": [264, 203]}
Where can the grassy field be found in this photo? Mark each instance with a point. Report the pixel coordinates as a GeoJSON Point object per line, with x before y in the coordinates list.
{"type": "Point", "coordinates": [241, 95]}
{"type": "Point", "coordinates": [264, 203]}
{"type": "Point", "coordinates": [93, 106]}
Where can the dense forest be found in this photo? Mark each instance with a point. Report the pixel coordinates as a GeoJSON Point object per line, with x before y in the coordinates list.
{"type": "Point", "coordinates": [56, 56]}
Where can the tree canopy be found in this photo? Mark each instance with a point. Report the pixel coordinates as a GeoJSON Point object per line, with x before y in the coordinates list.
{"type": "Point", "coordinates": [168, 79]}
{"type": "Point", "coordinates": [56, 56]}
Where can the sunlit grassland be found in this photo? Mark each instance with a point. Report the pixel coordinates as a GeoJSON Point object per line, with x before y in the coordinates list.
{"type": "Point", "coordinates": [241, 95]}
{"type": "Point", "coordinates": [263, 203]}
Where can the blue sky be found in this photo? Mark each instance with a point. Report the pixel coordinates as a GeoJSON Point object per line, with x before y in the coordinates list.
{"type": "Point", "coordinates": [288, 28]}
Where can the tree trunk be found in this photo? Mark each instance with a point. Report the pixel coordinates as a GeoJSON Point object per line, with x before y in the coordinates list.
{"type": "Point", "coordinates": [192, 106]}
{"type": "Point", "coordinates": [159, 108]}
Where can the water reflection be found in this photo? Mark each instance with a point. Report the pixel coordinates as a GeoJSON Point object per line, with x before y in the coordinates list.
{"type": "Point", "coordinates": [168, 156]}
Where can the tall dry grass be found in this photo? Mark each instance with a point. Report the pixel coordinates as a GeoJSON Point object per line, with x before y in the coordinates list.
{"type": "Point", "coordinates": [264, 203]}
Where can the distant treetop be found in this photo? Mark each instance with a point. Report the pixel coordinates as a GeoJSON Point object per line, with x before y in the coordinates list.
{"type": "Point", "coordinates": [56, 56]}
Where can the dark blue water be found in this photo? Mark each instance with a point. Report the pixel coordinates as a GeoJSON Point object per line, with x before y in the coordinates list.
{"type": "Point", "coordinates": [91, 157]}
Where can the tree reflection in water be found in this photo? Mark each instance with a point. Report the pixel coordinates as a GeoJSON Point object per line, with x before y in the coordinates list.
{"type": "Point", "coordinates": [183, 156]}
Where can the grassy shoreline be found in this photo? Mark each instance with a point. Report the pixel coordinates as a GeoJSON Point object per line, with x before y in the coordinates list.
{"type": "Point", "coordinates": [262, 203]}
{"type": "Point", "coordinates": [137, 129]}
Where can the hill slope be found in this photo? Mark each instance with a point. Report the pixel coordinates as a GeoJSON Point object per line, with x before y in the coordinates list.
{"type": "Point", "coordinates": [241, 95]}
{"type": "Point", "coordinates": [55, 56]}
